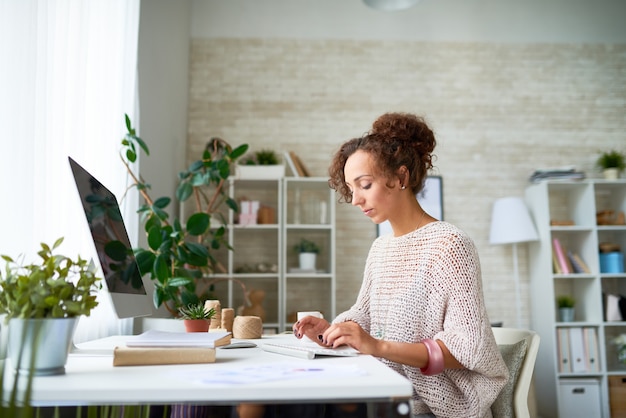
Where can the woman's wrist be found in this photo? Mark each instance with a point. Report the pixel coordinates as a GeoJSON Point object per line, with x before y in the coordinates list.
{"type": "Point", "coordinates": [435, 364]}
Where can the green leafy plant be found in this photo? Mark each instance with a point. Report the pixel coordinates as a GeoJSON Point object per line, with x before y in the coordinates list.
{"type": "Point", "coordinates": [306, 246]}
{"type": "Point", "coordinates": [612, 159]}
{"type": "Point", "coordinates": [196, 311]}
{"type": "Point", "coordinates": [262, 157]}
{"type": "Point", "coordinates": [179, 256]}
{"type": "Point", "coordinates": [56, 287]}
{"type": "Point", "coordinates": [565, 301]}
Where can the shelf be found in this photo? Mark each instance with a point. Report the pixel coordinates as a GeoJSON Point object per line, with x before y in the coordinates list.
{"type": "Point", "coordinates": [263, 252]}
{"type": "Point", "coordinates": [567, 211]}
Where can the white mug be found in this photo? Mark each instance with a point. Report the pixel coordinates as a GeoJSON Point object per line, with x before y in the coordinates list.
{"type": "Point", "coordinates": [301, 315]}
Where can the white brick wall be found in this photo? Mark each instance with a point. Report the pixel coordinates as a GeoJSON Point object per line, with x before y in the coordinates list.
{"type": "Point", "coordinates": [499, 111]}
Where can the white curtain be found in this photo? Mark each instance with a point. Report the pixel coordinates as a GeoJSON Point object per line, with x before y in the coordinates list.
{"type": "Point", "coordinates": [68, 76]}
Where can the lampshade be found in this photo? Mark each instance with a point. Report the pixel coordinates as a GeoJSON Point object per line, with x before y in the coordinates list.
{"type": "Point", "coordinates": [511, 222]}
{"type": "Point", "coordinates": [391, 5]}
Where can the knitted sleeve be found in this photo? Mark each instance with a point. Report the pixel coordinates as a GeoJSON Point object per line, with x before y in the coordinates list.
{"type": "Point", "coordinates": [466, 327]}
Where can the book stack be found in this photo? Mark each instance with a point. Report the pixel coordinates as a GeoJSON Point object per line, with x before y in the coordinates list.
{"type": "Point", "coordinates": [564, 173]}
{"type": "Point", "coordinates": [578, 350]}
{"type": "Point", "coordinates": [565, 261]}
{"type": "Point", "coordinates": [162, 347]}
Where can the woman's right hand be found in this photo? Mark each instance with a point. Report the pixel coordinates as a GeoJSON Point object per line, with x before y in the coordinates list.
{"type": "Point", "coordinates": [312, 327]}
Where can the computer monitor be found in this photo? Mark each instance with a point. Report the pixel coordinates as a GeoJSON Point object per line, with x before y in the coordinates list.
{"type": "Point", "coordinates": [110, 237]}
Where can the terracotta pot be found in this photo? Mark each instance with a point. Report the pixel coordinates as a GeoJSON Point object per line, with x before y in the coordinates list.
{"type": "Point", "coordinates": [196, 325]}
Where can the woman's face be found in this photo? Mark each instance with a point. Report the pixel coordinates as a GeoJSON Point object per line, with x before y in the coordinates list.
{"type": "Point", "coordinates": [369, 190]}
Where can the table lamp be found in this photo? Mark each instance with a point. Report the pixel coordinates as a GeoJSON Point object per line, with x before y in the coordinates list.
{"type": "Point", "coordinates": [511, 224]}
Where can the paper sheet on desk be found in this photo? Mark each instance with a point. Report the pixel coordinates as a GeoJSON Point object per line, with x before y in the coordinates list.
{"type": "Point", "coordinates": [274, 371]}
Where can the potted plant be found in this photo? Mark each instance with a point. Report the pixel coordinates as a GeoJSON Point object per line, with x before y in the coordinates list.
{"type": "Point", "coordinates": [179, 256]}
{"type": "Point", "coordinates": [612, 164]}
{"type": "Point", "coordinates": [566, 304]}
{"type": "Point", "coordinates": [307, 251]}
{"type": "Point", "coordinates": [261, 165]}
{"type": "Point", "coordinates": [196, 317]}
{"type": "Point", "coordinates": [42, 302]}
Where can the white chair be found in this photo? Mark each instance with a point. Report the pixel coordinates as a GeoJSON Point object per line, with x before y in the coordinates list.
{"type": "Point", "coordinates": [507, 336]}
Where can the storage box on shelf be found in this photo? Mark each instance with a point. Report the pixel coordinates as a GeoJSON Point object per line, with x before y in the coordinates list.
{"type": "Point", "coordinates": [617, 395]}
{"type": "Point", "coordinates": [566, 215]}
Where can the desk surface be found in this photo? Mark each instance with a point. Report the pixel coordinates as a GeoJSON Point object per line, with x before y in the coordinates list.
{"type": "Point", "coordinates": [91, 379]}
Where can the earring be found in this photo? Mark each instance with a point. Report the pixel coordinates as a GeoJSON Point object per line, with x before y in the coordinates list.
{"type": "Point", "coordinates": [403, 187]}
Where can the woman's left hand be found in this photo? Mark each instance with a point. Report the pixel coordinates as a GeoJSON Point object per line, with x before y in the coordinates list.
{"type": "Point", "coordinates": [350, 333]}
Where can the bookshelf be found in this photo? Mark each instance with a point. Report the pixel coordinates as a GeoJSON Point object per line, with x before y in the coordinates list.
{"type": "Point", "coordinates": [263, 259]}
{"type": "Point", "coordinates": [566, 261]}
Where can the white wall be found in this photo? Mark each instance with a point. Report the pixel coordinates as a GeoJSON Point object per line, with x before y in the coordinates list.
{"type": "Point", "coordinates": [526, 21]}
{"type": "Point", "coordinates": [163, 65]}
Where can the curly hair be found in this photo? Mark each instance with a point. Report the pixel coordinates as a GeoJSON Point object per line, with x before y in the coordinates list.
{"type": "Point", "coordinates": [395, 140]}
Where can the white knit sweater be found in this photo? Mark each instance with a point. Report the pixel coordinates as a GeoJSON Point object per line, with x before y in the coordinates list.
{"type": "Point", "coordinates": [427, 284]}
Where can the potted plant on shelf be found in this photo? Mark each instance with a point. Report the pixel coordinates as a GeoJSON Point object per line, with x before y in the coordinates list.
{"type": "Point", "coordinates": [566, 308]}
{"type": "Point", "coordinates": [261, 165]}
{"type": "Point", "coordinates": [307, 251]}
{"type": "Point", "coordinates": [179, 256]}
{"type": "Point", "coordinates": [196, 317]}
{"type": "Point", "coordinates": [612, 163]}
{"type": "Point", "coordinates": [42, 302]}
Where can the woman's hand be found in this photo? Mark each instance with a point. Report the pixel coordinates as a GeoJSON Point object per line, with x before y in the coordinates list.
{"type": "Point", "coordinates": [350, 333]}
{"type": "Point", "coordinates": [312, 327]}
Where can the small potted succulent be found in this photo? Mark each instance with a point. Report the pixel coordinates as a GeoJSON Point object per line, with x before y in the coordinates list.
{"type": "Point", "coordinates": [196, 317]}
{"type": "Point", "coordinates": [42, 302]}
{"type": "Point", "coordinates": [566, 304]}
{"type": "Point", "coordinates": [261, 165]}
{"type": "Point", "coordinates": [307, 251]}
{"type": "Point", "coordinates": [612, 163]}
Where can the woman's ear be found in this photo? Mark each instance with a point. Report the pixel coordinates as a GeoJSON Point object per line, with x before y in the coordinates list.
{"type": "Point", "coordinates": [403, 177]}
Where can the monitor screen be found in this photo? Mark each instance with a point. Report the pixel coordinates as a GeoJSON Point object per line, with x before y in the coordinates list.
{"type": "Point", "coordinates": [110, 237]}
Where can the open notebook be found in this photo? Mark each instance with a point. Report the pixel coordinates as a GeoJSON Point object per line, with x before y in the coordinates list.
{"type": "Point", "coordinates": [307, 350]}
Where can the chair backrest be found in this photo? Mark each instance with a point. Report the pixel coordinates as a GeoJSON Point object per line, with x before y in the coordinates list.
{"type": "Point", "coordinates": [522, 387]}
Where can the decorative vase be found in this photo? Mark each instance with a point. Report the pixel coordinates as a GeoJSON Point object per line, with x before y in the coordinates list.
{"type": "Point", "coordinates": [256, 297]}
{"type": "Point", "coordinates": [45, 343]}
{"type": "Point", "coordinates": [566, 314]}
{"type": "Point", "coordinates": [196, 325]}
{"type": "Point", "coordinates": [307, 261]}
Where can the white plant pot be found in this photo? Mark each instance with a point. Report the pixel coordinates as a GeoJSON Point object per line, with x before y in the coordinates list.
{"type": "Point", "coordinates": [610, 173]}
{"type": "Point", "coordinates": [259, 172]}
{"type": "Point", "coordinates": [307, 261]}
{"type": "Point", "coordinates": [566, 314]}
{"type": "Point", "coordinates": [47, 340]}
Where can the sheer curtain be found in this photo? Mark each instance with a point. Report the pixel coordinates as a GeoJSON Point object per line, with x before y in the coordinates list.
{"type": "Point", "coordinates": [67, 78]}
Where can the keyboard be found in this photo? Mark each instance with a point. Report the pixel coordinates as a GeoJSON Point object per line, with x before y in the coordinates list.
{"type": "Point", "coordinates": [307, 351]}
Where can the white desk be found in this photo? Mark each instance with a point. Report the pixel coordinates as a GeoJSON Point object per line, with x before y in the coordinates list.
{"type": "Point", "coordinates": [92, 380]}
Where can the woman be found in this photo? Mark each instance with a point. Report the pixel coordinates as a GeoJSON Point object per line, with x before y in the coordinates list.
{"type": "Point", "coordinates": [420, 308]}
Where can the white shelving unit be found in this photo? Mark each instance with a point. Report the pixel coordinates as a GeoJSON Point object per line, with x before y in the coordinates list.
{"type": "Point", "coordinates": [559, 392]}
{"type": "Point", "coordinates": [309, 208]}
{"type": "Point", "coordinates": [263, 258]}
